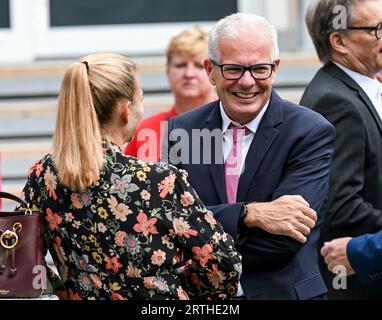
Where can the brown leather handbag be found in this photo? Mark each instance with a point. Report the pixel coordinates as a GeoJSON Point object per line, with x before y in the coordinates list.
{"type": "Point", "coordinates": [22, 253]}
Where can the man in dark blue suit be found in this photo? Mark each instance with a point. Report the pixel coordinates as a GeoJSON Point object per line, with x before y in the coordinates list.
{"type": "Point", "coordinates": [361, 255]}
{"type": "Point", "coordinates": [272, 199]}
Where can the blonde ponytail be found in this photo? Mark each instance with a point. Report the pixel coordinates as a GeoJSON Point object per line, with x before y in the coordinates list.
{"type": "Point", "coordinates": [77, 142]}
{"type": "Point", "coordinates": [88, 96]}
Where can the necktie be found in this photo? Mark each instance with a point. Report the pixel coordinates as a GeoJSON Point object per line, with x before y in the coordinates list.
{"type": "Point", "coordinates": [233, 163]}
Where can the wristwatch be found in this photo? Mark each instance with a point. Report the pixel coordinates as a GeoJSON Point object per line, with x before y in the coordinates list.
{"type": "Point", "coordinates": [243, 213]}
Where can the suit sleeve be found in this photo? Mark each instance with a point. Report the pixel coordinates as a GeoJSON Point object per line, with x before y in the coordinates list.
{"type": "Point", "coordinates": [228, 215]}
{"type": "Point", "coordinates": [349, 214]}
{"type": "Point", "coordinates": [307, 174]}
{"type": "Point", "coordinates": [365, 256]}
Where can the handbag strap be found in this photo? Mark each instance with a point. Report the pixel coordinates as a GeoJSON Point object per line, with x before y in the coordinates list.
{"type": "Point", "coordinates": [10, 196]}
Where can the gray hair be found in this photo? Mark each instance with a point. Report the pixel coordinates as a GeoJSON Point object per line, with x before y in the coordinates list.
{"type": "Point", "coordinates": [320, 18]}
{"type": "Point", "coordinates": [230, 28]}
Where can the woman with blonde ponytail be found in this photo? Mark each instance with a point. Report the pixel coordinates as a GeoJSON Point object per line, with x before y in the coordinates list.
{"type": "Point", "coordinates": [118, 227]}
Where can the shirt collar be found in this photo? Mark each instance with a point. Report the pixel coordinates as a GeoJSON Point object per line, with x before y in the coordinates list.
{"type": "Point", "coordinates": [253, 125]}
{"type": "Point", "coordinates": [372, 87]}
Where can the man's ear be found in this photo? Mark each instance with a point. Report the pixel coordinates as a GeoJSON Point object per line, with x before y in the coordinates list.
{"type": "Point", "coordinates": [275, 68]}
{"type": "Point", "coordinates": [210, 71]}
{"type": "Point", "coordinates": [338, 43]}
{"type": "Point", "coordinates": [277, 64]}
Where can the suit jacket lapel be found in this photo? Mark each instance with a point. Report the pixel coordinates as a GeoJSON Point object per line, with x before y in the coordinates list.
{"type": "Point", "coordinates": [264, 137]}
{"type": "Point", "coordinates": [371, 108]}
{"type": "Point", "coordinates": [214, 121]}
{"type": "Point", "coordinates": [340, 74]}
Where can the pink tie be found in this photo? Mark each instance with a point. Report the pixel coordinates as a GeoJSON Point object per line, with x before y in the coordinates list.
{"type": "Point", "coordinates": [233, 163]}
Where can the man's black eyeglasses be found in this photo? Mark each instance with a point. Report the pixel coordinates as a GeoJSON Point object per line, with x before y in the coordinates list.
{"type": "Point", "coordinates": [377, 29]}
{"type": "Point", "coordinates": [259, 71]}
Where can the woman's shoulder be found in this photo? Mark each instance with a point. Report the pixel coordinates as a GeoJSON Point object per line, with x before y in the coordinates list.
{"type": "Point", "coordinates": [42, 163]}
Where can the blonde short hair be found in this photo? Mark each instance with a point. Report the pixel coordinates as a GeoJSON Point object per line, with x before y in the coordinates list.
{"type": "Point", "coordinates": [192, 41]}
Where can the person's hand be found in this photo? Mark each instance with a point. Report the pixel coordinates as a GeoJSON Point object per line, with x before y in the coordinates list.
{"type": "Point", "coordinates": [288, 215]}
{"type": "Point", "coordinates": [334, 253]}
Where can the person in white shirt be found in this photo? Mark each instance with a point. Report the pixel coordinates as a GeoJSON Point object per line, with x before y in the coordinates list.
{"type": "Point", "coordinates": [347, 93]}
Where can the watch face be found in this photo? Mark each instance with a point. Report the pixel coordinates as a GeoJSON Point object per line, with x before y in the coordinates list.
{"type": "Point", "coordinates": [244, 211]}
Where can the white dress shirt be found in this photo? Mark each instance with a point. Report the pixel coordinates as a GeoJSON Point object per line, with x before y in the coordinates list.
{"type": "Point", "coordinates": [372, 87]}
{"type": "Point", "coordinates": [227, 134]}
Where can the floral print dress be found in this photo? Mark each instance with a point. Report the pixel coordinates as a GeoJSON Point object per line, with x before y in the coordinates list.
{"type": "Point", "coordinates": [140, 232]}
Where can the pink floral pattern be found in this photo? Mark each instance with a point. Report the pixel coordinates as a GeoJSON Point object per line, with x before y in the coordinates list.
{"type": "Point", "coordinates": [167, 186]}
{"type": "Point", "coordinates": [140, 232]}
{"type": "Point", "coordinates": [53, 219]}
{"type": "Point", "coordinates": [182, 228]}
{"type": "Point", "coordinates": [145, 225]}
{"type": "Point", "coordinates": [204, 254]}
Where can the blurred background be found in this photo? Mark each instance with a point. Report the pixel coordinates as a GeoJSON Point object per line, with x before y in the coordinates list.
{"type": "Point", "coordinates": [39, 38]}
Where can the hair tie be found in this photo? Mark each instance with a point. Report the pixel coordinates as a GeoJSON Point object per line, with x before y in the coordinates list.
{"type": "Point", "coordinates": [86, 65]}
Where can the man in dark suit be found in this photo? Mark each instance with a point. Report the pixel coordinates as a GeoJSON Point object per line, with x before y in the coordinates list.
{"type": "Point", "coordinates": [346, 92]}
{"type": "Point", "coordinates": [260, 163]}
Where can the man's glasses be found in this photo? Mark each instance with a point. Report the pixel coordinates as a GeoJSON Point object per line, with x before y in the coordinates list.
{"type": "Point", "coordinates": [377, 29]}
{"type": "Point", "coordinates": [259, 71]}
